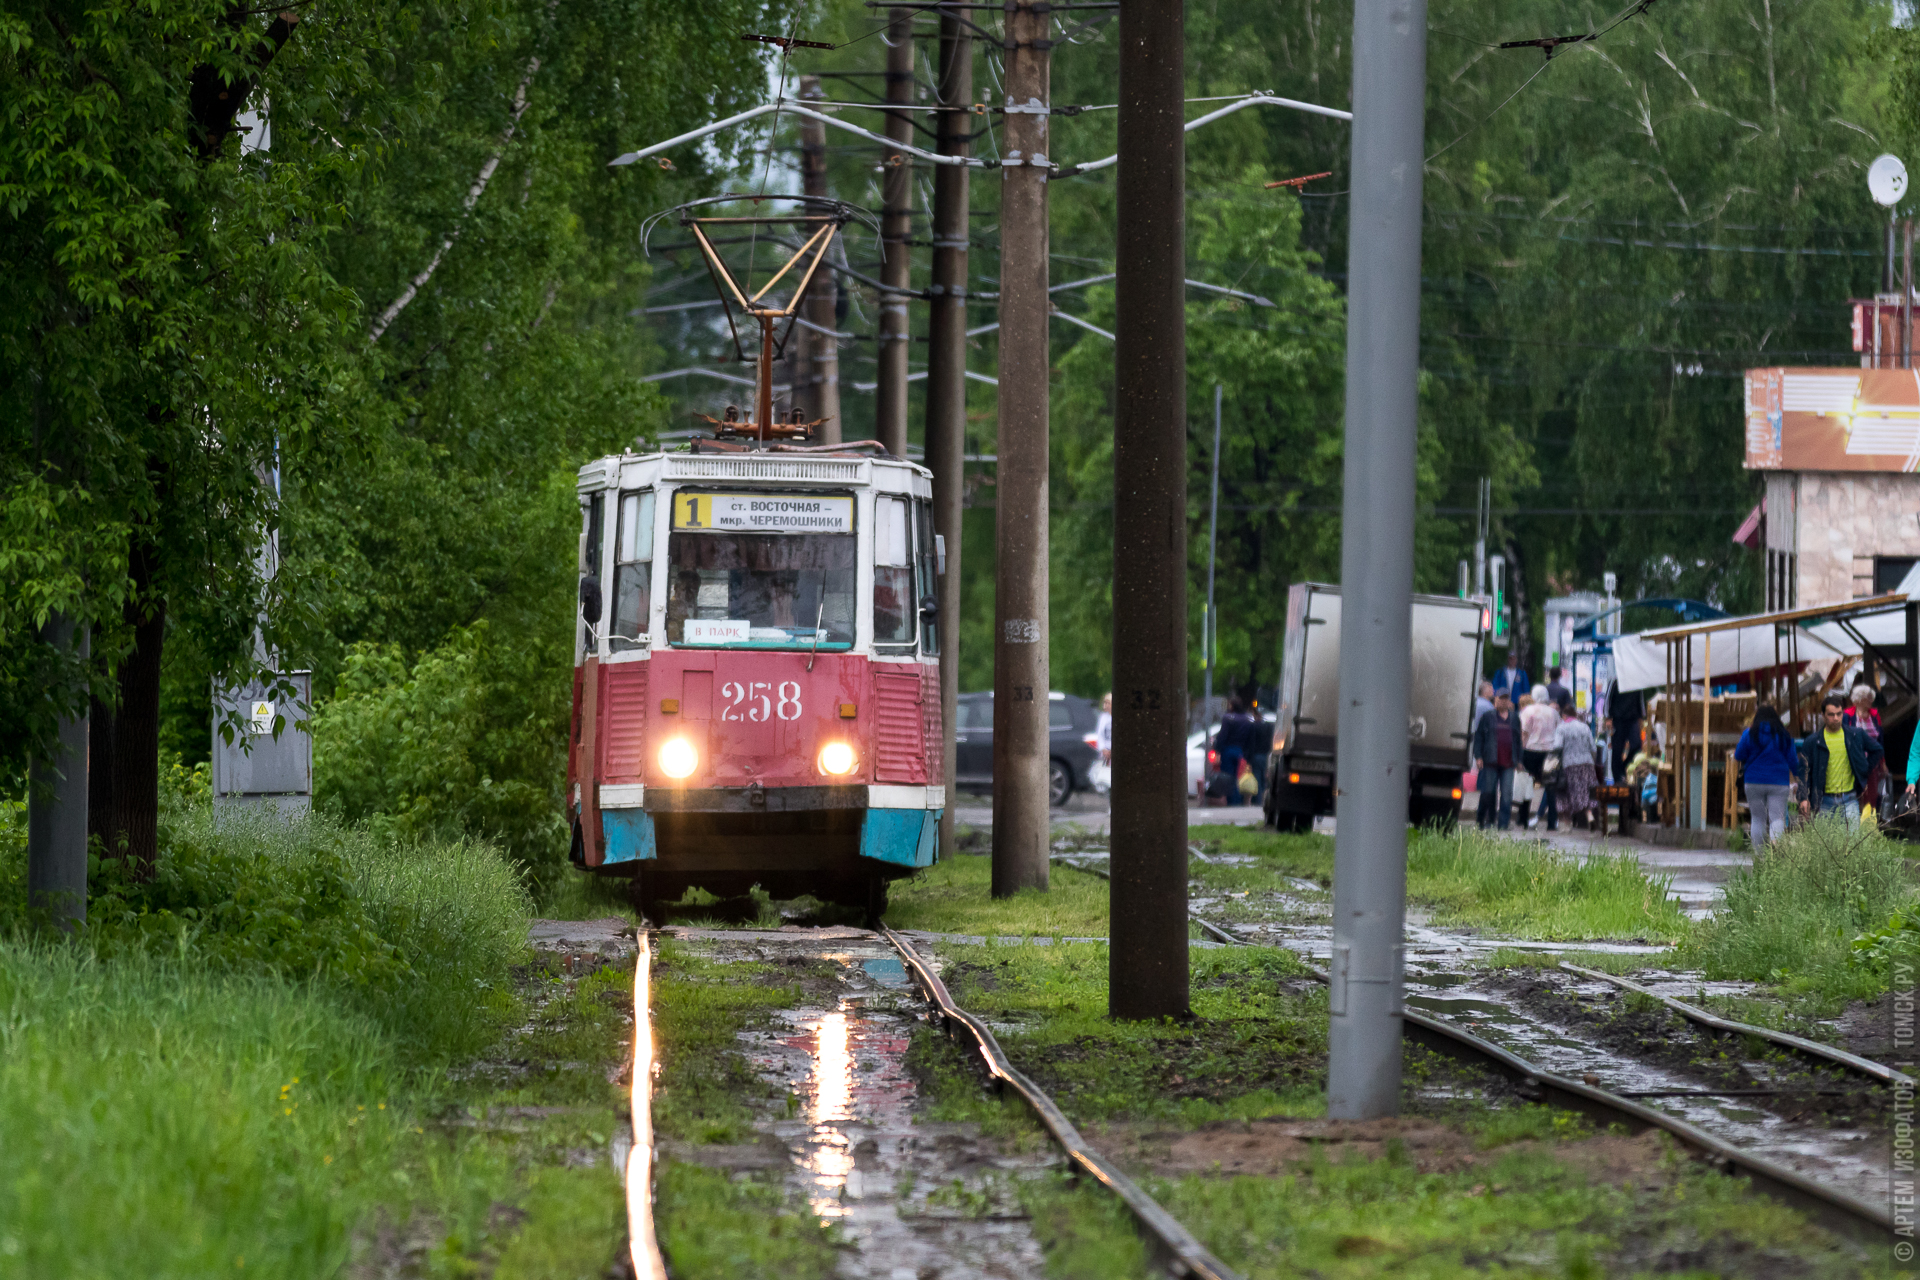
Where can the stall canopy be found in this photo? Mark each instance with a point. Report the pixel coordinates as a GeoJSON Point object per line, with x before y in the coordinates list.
{"type": "Point", "coordinates": [1761, 641]}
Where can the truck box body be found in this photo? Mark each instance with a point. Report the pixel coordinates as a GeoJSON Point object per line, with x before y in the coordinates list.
{"type": "Point", "coordinates": [1446, 667]}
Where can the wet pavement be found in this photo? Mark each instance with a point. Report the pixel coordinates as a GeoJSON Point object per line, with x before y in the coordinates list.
{"type": "Point", "coordinates": [1088, 811]}
{"type": "Point", "coordinates": [914, 1199]}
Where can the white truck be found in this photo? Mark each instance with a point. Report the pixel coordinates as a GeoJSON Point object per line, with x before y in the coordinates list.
{"type": "Point", "coordinates": [1447, 643]}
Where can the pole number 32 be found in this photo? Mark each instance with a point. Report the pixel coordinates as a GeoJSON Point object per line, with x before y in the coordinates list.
{"type": "Point", "coordinates": [761, 700]}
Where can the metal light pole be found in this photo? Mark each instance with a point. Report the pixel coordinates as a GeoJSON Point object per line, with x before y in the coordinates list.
{"type": "Point", "coordinates": [1376, 557]}
{"type": "Point", "coordinates": [1021, 829]}
{"type": "Point", "coordinates": [1147, 962]}
{"type": "Point", "coordinates": [1213, 540]}
{"type": "Point", "coordinates": [57, 807]}
{"type": "Point", "coordinates": [947, 367]}
{"type": "Point", "coordinates": [896, 231]}
{"type": "Point", "coordinates": [823, 295]}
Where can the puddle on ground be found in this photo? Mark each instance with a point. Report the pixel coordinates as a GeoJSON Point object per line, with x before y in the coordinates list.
{"type": "Point", "coordinates": [914, 1199]}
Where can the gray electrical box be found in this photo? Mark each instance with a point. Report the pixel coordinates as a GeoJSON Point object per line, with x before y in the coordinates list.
{"type": "Point", "coordinates": [259, 770]}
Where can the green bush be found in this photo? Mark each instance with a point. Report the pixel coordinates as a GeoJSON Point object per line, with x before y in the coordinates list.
{"type": "Point", "coordinates": [467, 740]}
{"type": "Point", "coordinates": [1792, 916]}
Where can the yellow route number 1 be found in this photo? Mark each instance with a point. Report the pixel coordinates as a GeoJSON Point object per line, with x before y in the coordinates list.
{"type": "Point", "coordinates": [693, 511]}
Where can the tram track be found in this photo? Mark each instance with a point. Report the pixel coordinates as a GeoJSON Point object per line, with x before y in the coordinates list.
{"type": "Point", "coordinates": [1834, 1206]}
{"type": "Point", "coordinates": [1681, 1113]}
{"type": "Point", "coordinates": [877, 1221]}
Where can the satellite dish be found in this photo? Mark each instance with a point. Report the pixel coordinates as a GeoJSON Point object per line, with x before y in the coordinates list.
{"type": "Point", "coordinates": [1887, 180]}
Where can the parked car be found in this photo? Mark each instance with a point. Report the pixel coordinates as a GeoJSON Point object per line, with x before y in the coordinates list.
{"type": "Point", "coordinates": [1074, 748]}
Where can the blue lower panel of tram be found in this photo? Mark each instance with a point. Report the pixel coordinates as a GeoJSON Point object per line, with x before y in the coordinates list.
{"type": "Point", "coordinates": [908, 837]}
{"type": "Point", "coordinates": [629, 835]}
{"type": "Point", "coordinates": [905, 837]}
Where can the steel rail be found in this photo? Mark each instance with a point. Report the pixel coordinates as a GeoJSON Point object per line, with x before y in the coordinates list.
{"type": "Point", "coordinates": [1834, 1208]}
{"type": "Point", "coordinates": [1186, 1256]}
{"type": "Point", "coordinates": [643, 1243]}
{"type": "Point", "coordinates": [1786, 1040]}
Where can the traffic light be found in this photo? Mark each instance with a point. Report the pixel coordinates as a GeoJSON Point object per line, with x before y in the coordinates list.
{"type": "Point", "coordinates": [1497, 581]}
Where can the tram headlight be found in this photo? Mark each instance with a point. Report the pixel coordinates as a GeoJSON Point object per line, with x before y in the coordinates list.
{"type": "Point", "coordinates": [837, 759]}
{"type": "Point", "coordinates": [678, 759]}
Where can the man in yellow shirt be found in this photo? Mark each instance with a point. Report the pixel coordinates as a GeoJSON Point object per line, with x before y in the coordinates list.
{"type": "Point", "coordinates": [1834, 760]}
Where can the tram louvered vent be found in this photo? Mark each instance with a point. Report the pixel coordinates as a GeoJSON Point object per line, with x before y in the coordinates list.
{"type": "Point", "coordinates": [899, 740]}
{"type": "Point", "coordinates": [624, 708]}
{"type": "Point", "coordinates": [697, 468]}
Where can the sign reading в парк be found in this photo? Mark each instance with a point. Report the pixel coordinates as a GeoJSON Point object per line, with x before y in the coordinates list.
{"type": "Point", "coordinates": [761, 513]}
{"type": "Point", "coordinates": [1837, 419]}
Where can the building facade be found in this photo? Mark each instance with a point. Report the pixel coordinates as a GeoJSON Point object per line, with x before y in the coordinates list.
{"type": "Point", "coordinates": [1840, 448]}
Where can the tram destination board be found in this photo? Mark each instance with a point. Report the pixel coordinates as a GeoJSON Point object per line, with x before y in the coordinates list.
{"type": "Point", "coordinates": [762, 513]}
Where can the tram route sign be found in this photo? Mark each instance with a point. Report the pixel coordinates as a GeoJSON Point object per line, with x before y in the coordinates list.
{"type": "Point", "coordinates": [761, 513]}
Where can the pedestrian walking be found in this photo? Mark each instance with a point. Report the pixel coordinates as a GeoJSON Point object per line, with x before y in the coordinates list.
{"type": "Point", "coordinates": [1537, 725]}
{"type": "Point", "coordinates": [1767, 757]}
{"type": "Point", "coordinates": [1496, 746]}
{"type": "Point", "coordinates": [1232, 744]}
{"type": "Point", "coordinates": [1102, 769]}
{"type": "Point", "coordinates": [1557, 693]}
{"type": "Point", "coordinates": [1259, 752]}
{"type": "Point", "coordinates": [1865, 717]}
{"type": "Point", "coordinates": [1574, 741]}
{"type": "Point", "coordinates": [1834, 760]}
{"type": "Point", "coordinates": [1512, 679]}
{"type": "Point", "coordinates": [1629, 710]}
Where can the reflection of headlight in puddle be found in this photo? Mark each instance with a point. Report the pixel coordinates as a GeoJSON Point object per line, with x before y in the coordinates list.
{"type": "Point", "coordinates": [678, 759]}
{"type": "Point", "coordinates": [837, 758]}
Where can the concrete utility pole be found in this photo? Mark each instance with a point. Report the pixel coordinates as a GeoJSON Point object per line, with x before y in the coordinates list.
{"type": "Point", "coordinates": [947, 366]}
{"type": "Point", "coordinates": [1147, 964]}
{"type": "Point", "coordinates": [896, 234]}
{"type": "Point", "coordinates": [823, 396]}
{"type": "Point", "coordinates": [1376, 557]}
{"type": "Point", "coordinates": [57, 807]}
{"type": "Point", "coordinates": [1021, 826]}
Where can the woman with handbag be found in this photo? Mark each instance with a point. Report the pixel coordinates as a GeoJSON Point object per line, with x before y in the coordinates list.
{"type": "Point", "coordinates": [1574, 741]}
{"type": "Point", "coordinates": [1538, 721]}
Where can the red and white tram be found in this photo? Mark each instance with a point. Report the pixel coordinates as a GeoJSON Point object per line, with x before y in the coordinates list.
{"type": "Point", "coordinates": [756, 692]}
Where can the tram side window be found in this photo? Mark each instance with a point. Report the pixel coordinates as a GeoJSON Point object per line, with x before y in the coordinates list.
{"type": "Point", "coordinates": [633, 571]}
{"type": "Point", "coordinates": [590, 536]}
{"type": "Point", "coordinates": [928, 580]}
{"type": "Point", "coordinates": [893, 600]}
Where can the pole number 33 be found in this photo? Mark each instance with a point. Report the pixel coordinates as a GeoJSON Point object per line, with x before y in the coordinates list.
{"type": "Point", "coordinates": [761, 700]}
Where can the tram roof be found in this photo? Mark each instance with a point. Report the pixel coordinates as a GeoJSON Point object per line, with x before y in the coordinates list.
{"type": "Point", "coordinates": [775, 465]}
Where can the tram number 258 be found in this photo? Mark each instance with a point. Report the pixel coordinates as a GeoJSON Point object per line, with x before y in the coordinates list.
{"type": "Point", "coordinates": [761, 700]}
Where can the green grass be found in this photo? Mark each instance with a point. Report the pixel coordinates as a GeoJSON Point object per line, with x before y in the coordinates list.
{"type": "Point", "coordinates": [1467, 878]}
{"type": "Point", "coordinates": [243, 1067]}
{"type": "Point", "coordinates": [1791, 918]}
{"type": "Point", "coordinates": [954, 896]}
{"type": "Point", "coordinates": [711, 1224]}
{"type": "Point", "coordinates": [700, 1005]}
{"type": "Point", "coordinates": [1253, 1047]}
{"type": "Point", "coordinates": [1528, 890]}
{"type": "Point", "coordinates": [1531, 1209]}
{"type": "Point", "coordinates": [1528, 1212]}
{"type": "Point", "coordinates": [715, 1227]}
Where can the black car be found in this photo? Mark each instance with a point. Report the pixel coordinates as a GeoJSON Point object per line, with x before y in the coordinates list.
{"type": "Point", "coordinates": [1070, 721]}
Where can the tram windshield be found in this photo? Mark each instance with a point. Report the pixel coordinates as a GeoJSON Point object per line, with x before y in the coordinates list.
{"type": "Point", "coordinates": [761, 590]}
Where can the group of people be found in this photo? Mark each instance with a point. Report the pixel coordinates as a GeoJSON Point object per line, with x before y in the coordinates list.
{"type": "Point", "coordinates": [1838, 768]}
{"type": "Point", "coordinates": [1243, 743]}
{"type": "Point", "coordinates": [1534, 730]}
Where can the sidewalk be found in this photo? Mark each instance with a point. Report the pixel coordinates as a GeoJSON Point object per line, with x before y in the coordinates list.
{"type": "Point", "coordinates": [1088, 811]}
